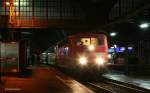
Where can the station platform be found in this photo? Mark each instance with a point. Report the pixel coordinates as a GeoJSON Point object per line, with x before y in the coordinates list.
{"type": "Point", "coordinates": [42, 80]}
{"type": "Point", "coordinates": [142, 81]}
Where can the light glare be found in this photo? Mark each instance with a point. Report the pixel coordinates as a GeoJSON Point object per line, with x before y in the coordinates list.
{"type": "Point", "coordinates": [109, 56]}
{"type": "Point", "coordinates": [7, 3]}
{"type": "Point", "coordinates": [82, 60]}
{"type": "Point", "coordinates": [16, 3]}
{"type": "Point", "coordinates": [111, 47]}
{"type": "Point", "coordinates": [113, 34]}
{"type": "Point", "coordinates": [115, 46]}
{"type": "Point", "coordinates": [144, 25]}
{"type": "Point", "coordinates": [91, 47]}
{"type": "Point", "coordinates": [130, 48]}
{"type": "Point", "coordinates": [100, 61]}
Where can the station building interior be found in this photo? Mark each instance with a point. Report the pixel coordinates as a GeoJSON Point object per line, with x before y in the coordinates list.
{"type": "Point", "coordinates": [42, 23]}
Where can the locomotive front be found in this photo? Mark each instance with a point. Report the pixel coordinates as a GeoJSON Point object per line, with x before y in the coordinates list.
{"type": "Point", "coordinates": [90, 50]}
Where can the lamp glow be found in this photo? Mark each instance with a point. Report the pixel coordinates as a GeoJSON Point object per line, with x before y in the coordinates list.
{"type": "Point", "coordinates": [100, 61]}
{"type": "Point", "coordinates": [7, 3]}
{"type": "Point", "coordinates": [82, 60]}
{"type": "Point", "coordinates": [109, 56]}
{"type": "Point", "coordinates": [144, 25]}
{"type": "Point", "coordinates": [91, 47]}
{"type": "Point", "coordinates": [113, 34]}
{"type": "Point", "coordinates": [115, 46]}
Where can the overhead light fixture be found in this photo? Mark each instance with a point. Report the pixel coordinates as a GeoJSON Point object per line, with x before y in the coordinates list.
{"type": "Point", "coordinates": [144, 25]}
{"type": "Point", "coordinates": [113, 34]}
{"type": "Point", "coordinates": [115, 46]}
{"type": "Point", "coordinates": [7, 3]}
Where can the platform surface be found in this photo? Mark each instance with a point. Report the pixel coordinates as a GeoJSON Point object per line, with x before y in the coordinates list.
{"type": "Point", "coordinates": [143, 82]}
{"type": "Point", "coordinates": [43, 80]}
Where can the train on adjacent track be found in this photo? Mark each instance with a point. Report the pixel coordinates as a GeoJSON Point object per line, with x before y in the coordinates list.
{"type": "Point", "coordinates": [83, 52]}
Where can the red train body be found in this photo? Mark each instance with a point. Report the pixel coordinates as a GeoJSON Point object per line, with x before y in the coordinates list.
{"type": "Point", "coordinates": [84, 50]}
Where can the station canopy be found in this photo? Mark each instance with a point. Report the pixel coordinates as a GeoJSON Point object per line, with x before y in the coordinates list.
{"type": "Point", "coordinates": [55, 13]}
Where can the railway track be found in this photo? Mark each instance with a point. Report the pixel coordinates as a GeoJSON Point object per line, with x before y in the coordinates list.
{"type": "Point", "coordinates": [111, 87]}
{"type": "Point", "coordinates": [104, 85]}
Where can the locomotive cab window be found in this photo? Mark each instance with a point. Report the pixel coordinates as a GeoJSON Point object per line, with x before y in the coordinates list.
{"type": "Point", "coordinates": [89, 41]}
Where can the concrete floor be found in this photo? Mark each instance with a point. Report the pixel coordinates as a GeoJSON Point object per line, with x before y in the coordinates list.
{"type": "Point", "coordinates": [143, 82]}
{"type": "Point", "coordinates": [42, 80]}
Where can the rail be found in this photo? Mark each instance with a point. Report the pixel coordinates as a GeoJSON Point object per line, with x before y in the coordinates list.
{"type": "Point", "coordinates": [99, 89]}
{"type": "Point", "coordinates": [126, 84]}
{"type": "Point", "coordinates": [110, 87]}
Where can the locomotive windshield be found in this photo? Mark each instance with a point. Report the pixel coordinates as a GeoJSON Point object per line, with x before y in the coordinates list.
{"type": "Point", "coordinates": [90, 41]}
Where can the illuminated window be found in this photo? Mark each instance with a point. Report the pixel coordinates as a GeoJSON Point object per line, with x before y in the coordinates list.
{"type": "Point", "coordinates": [43, 9]}
{"type": "Point", "coordinates": [85, 41]}
{"type": "Point", "coordinates": [88, 41]}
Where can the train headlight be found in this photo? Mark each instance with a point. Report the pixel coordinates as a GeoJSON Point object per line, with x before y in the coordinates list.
{"type": "Point", "coordinates": [91, 47]}
{"type": "Point", "coordinates": [82, 60]}
{"type": "Point", "coordinates": [100, 61]}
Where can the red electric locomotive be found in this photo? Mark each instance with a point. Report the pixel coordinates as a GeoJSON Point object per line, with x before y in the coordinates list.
{"type": "Point", "coordinates": [83, 51]}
